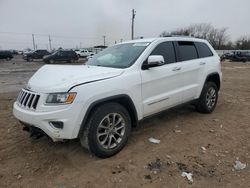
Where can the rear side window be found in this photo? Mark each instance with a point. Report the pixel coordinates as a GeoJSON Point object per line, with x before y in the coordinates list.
{"type": "Point", "coordinates": [203, 50]}
{"type": "Point", "coordinates": [166, 49]}
{"type": "Point", "coordinates": [187, 51]}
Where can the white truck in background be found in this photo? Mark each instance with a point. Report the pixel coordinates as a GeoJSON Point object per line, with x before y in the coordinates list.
{"type": "Point", "coordinates": [84, 53]}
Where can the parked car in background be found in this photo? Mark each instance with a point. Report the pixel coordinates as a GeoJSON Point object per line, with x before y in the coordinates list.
{"type": "Point", "coordinates": [36, 54]}
{"type": "Point", "coordinates": [101, 101]}
{"type": "Point", "coordinates": [61, 55]}
{"type": "Point", "coordinates": [237, 56]}
{"type": "Point", "coordinates": [5, 54]}
{"type": "Point", "coordinates": [226, 56]}
{"type": "Point", "coordinates": [84, 53]}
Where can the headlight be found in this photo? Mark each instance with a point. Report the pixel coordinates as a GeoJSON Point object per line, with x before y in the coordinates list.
{"type": "Point", "coordinates": [60, 98]}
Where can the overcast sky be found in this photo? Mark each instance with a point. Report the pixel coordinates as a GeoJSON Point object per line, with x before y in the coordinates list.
{"type": "Point", "coordinates": [73, 23]}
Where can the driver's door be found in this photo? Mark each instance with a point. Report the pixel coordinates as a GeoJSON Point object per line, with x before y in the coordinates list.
{"type": "Point", "coordinates": [162, 86]}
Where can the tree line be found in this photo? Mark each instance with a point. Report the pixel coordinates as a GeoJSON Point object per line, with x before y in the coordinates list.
{"type": "Point", "coordinates": [218, 37]}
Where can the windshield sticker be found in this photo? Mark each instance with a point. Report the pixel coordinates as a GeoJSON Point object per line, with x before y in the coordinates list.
{"type": "Point", "coordinates": [141, 44]}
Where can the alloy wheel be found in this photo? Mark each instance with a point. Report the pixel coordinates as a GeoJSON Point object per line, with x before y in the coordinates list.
{"type": "Point", "coordinates": [111, 130]}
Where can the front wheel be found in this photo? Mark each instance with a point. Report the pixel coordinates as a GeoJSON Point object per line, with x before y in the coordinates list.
{"type": "Point", "coordinates": [208, 98]}
{"type": "Point", "coordinates": [107, 130]}
{"type": "Point", "coordinates": [29, 59]}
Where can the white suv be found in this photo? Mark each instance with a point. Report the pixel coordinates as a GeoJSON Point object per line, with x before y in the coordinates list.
{"type": "Point", "coordinates": [99, 102]}
{"type": "Point", "coordinates": [84, 53]}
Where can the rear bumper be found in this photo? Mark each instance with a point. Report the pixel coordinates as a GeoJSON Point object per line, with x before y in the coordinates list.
{"type": "Point", "coordinates": [42, 120]}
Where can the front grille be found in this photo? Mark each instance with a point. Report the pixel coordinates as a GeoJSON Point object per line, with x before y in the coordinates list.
{"type": "Point", "coordinates": [28, 99]}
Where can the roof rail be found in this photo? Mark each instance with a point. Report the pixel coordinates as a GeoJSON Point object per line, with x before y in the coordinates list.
{"type": "Point", "coordinates": [179, 36]}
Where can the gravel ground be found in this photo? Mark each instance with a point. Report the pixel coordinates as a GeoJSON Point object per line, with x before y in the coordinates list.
{"type": "Point", "coordinates": [205, 145]}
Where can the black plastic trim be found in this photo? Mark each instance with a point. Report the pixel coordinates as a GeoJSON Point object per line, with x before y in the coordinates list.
{"type": "Point", "coordinates": [108, 99]}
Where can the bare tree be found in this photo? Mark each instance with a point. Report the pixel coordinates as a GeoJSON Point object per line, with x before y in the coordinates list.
{"type": "Point", "coordinates": [217, 37]}
{"type": "Point", "coordinates": [243, 43]}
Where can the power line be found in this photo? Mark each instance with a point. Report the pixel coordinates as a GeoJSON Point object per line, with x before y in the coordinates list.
{"type": "Point", "coordinates": [46, 35]}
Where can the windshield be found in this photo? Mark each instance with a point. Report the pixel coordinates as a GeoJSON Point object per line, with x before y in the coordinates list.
{"type": "Point", "coordinates": [119, 56]}
{"type": "Point", "coordinates": [55, 53]}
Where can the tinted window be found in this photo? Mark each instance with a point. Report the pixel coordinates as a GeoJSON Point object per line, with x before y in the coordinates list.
{"type": "Point", "coordinates": [187, 51]}
{"type": "Point", "coordinates": [203, 50]}
{"type": "Point", "coordinates": [166, 49]}
{"type": "Point", "coordinates": [68, 53]}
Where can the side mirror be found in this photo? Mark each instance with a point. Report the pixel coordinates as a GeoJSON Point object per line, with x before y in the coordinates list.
{"type": "Point", "coordinates": [153, 61]}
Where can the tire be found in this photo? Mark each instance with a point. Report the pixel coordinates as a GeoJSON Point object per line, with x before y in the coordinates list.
{"type": "Point", "coordinates": [72, 61]}
{"type": "Point", "coordinates": [8, 59]}
{"type": "Point", "coordinates": [51, 61]}
{"type": "Point", "coordinates": [208, 98]}
{"type": "Point", "coordinates": [244, 60]}
{"type": "Point", "coordinates": [29, 59]}
{"type": "Point", "coordinates": [112, 138]}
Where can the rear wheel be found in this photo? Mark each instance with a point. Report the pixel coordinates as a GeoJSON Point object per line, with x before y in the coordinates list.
{"type": "Point", "coordinates": [244, 60]}
{"type": "Point", "coordinates": [107, 130]}
{"type": "Point", "coordinates": [208, 98]}
{"type": "Point", "coordinates": [72, 61]}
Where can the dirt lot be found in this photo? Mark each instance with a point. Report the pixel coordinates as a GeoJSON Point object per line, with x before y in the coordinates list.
{"type": "Point", "coordinates": [205, 145]}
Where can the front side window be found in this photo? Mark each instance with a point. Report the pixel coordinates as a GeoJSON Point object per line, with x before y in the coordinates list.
{"type": "Point", "coordinates": [166, 49]}
{"type": "Point", "coordinates": [187, 51]}
{"type": "Point", "coordinates": [119, 56]}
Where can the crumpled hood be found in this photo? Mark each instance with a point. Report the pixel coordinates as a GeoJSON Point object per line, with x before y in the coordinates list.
{"type": "Point", "coordinates": [60, 78]}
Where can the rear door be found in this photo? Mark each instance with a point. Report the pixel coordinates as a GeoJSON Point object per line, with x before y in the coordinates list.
{"type": "Point", "coordinates": [60, 56]}
{"type": "Point", "coordinates": [193, 68]}
{"type": "Point", "coordinates": [162, 85]}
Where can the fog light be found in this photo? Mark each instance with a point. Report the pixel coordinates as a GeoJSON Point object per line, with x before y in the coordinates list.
{"type": "Point", "coordinates": [57, 124]}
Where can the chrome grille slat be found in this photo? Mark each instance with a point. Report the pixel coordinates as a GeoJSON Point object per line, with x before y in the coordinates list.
{"type": "Point", "coordinates": [21, 96]}
{"type": "Point", "coordinates": [33, 101]}
{"type": "Point", "coordinates": [25, 99]}
{"type": "Point", "coordinates": [28, 99]}
{"type": "Point", "coordinates": [36, 101]}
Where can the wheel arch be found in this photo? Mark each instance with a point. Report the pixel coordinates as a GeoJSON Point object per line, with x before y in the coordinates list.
{"type": "Point", "coordinates": [214, 77]}
{"type": "Point", "coordinates": [122, 99]}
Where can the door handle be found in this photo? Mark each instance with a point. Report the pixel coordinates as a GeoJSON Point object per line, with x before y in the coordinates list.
{"type": "Point", "coordinates": [202, 63]}
{"type": "Point", "coordinates": [176, 69]}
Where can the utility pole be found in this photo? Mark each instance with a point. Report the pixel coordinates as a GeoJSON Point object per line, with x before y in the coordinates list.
{"type": "Point", "coordinates": [133, 20]}
{"type": "Point", "coordinates": [33, 39]}
{"type": "Point", "coordinates": [104, 40]}
{"type": "Point", "coordinates": [121, 40]}
{"type": "Point", "coordinates": [50, 43]}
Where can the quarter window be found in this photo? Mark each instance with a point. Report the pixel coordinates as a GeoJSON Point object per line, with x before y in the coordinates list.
{"type": "Point", "coordinates": [166, 49]}
{"type": "Point", "coordinates": [187, 51]}
{"type": "Point", "coordinates": [203, 50]}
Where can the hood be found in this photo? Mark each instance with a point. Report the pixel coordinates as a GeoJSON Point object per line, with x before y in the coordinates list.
{"type": "Point", "coordinates": [60, 78]}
